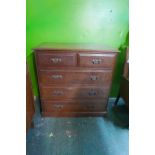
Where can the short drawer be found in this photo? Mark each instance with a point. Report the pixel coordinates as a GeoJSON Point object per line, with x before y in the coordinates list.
{"type": "Point", "coordinates": [69, 107]}
{"type": "Point", "coordinates": [106, 60]}
{"type": "Point", "coordinates": [73, 92]}
{"type": "Point", "coordinates": [50, 77]}
{"type": "Point", "coordinates": [56, 59]}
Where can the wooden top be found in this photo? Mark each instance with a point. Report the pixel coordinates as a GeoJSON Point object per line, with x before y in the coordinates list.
{"type": "Point", "coordinates": [74, 46]}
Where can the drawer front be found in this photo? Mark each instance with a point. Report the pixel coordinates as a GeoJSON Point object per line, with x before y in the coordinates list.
{"type": "Point", "coordinates": [74, 114]}
{"type": "Point", "coordinates": [72, 107]}
{"type": "Point", "coordinates": [97, 60]}
{"type": "Point", "coordinates": [56, 59]}
{"type": "Point", "coordinates": [48, 77]}
{"type": "Point", "coordinates": [73, 93]}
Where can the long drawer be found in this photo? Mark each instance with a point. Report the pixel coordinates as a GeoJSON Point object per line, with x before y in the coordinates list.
{"type": "Point", "coordinates": [81, 106]}
{"type": "Point", "coordinates": [49, 77]}
{"type": "Point", "coordinates": [89, 92]}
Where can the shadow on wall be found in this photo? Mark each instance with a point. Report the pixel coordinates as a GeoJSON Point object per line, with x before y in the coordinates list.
{"type": "Point", "coordinates": [30, 59]}
{"type": "Point", "coordinates": [119, 67]}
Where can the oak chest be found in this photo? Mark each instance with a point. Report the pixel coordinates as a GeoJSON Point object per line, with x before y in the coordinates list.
{"type": "Point", "coordinates": [74, 79]}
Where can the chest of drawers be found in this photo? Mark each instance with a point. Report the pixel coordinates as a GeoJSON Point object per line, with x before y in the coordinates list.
{"type": "Point", "coordinates": [74, 79]}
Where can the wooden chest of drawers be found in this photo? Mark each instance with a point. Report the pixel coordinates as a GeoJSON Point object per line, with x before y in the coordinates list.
{"type": "Point", "coordinates": [74, 79]}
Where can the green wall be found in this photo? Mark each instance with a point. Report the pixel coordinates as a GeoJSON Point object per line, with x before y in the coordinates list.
{"type": "Point", "coordinates": [86, 21]}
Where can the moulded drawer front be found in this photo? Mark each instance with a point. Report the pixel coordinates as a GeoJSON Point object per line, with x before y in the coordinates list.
{"type": "Point", "coordinates": [73, 93]}
{"type": "Point", "coordinates": [106, 60]}
{"type": "Point", "coordinates": [48, 77]}
{"type": "Point", "coordinates": [60, 106]}
{"type": "Point", "coordinates": [56, 59]}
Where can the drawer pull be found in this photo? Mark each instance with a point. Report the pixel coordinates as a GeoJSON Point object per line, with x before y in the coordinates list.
{"type": "Point", "coordinates": [58, 93]}
{"type": "Point", "coordinates": [56, 60]}
{"type": "Point", "coordinates": [57, 76]}
{"type": "Point", "coordinates": [58, 107]}
{"type": "Point", "coordinates": [92, 93]}
{"type": "Point", "coordinates": [96, 61]}
{"type": "Point", "coordinates": [93, 77]}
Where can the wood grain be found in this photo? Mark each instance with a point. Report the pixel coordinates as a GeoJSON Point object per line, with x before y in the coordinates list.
{"type": "Point", "coordinates": [74, 79]}
{"type": "Point", "coordinates": [78, 77]}
{"type": "Point", "coordinates": [80, 92]}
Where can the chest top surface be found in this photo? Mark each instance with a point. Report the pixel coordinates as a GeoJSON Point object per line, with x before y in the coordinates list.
{"type": "Point", "coordinates": [70, 47]}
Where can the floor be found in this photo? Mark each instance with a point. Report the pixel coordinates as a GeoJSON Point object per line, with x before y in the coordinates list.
{"type": "Point", "coordinates": [81, 136]}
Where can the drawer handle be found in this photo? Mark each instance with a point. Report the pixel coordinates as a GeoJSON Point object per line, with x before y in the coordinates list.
{"type": "Point", "coordinates": [57, 76]}
{"type": "Point", "coordinates": [56, 60]}
{"type": "Point", "coordinates": [93, 77]}
{"type": "Point", "coordinates": [58, 107]}
{"type": "Point", "coordinates": [96, 61]}
{"type": "Point", "coordinates": [92, 93]}
{"type": "Point", "coordinates": [58, 93]}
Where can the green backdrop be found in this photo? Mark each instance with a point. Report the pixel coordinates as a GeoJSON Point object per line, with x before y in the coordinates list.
{"type": "Point", "coordinates": [77, 21]}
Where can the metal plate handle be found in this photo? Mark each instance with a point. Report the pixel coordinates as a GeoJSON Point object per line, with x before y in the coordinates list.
{"type": "Point", "coordinates": [93, 77]}
{"type": "Point", "coordinates": [58, 93]}
{"type": "Point", "coordinates": [92, 93]}
{"type": "Point", "coordinates": [96, 61]}
{"type": "Point", "coordinates": [57, 76]}
{"type": "Point", "coordinates": [56, 60]}
{"type": "Point", "coordinates": [58, 107]}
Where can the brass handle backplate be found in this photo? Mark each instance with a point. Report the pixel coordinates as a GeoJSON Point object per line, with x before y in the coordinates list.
{"type": "Point", "coordinates": [58, 107]}
{"type": "Point", "coordinates": [93, 77]}
{"type": "Point", "coordinates": [56, 60]}
{"type": "Point", "coordinates": [58, 93]}
{"type": "Point", "coordinates": [57, 76]}
{"type": "Point", "coordinates": [96, 61]}
{"type": "Point", "coordinates": [92, 93]}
